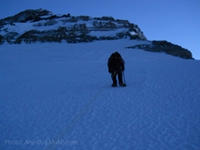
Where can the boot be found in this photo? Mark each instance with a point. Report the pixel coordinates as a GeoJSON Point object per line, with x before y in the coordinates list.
{"type": "Point", "coordinates": [122, 84]}
{"type": "Point", "coordinates": [114, 85]}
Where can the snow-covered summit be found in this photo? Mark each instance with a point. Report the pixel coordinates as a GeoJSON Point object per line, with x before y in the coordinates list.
{"type": "Point", "coordinates": [44, 26]}
{"type": "Point", "coordinates": [41, 25]}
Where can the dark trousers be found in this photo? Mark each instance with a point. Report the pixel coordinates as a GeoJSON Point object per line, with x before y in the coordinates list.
{"type": "Point", "coordinates": [119, 74]}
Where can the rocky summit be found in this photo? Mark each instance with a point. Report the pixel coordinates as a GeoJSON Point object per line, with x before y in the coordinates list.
{"type": "Point", "coordinates": [41, 25]}
{"type": "Point", "coordinates": [31, 26]}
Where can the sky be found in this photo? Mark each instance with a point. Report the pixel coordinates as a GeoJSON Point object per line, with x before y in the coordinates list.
{"type": "Point", "coordinates": [176, 21]}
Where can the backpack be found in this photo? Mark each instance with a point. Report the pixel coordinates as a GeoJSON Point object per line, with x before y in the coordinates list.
{"type": "Point", "coordinates": [115, 62]}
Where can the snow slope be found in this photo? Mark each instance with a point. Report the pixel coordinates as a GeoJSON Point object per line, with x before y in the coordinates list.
{"type": "Point", "coordinates": [58, 96]}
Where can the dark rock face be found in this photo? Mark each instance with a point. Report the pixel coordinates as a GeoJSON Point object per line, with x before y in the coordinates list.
{"type": "Point", "coordinates": [167, 47]}
{"type": "Point", "coordinates": [25, 16]}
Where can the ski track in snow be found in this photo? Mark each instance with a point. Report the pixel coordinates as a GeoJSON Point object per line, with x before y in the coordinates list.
{"type": "Point", "coordinates": [58, 96]}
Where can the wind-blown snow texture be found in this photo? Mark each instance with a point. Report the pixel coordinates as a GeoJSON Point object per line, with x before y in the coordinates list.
{"type": "Point", "coordinates": [58, 96]}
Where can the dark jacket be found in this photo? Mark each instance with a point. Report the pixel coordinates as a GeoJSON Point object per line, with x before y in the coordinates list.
{"type": "Point", "coordinates": [115, 63]}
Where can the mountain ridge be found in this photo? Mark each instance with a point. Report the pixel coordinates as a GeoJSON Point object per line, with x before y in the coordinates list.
{"type": "Point", "coordinates": [41, 25]}
{"type": "Point", "coordinates": [73, 29]}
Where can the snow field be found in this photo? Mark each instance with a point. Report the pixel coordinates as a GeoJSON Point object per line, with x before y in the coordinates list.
{"type": "Point", "coordinates": [61, 93]}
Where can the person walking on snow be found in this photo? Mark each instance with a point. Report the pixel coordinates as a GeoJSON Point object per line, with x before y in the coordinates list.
{"type": "Point", "coordinates": [116, 68]}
